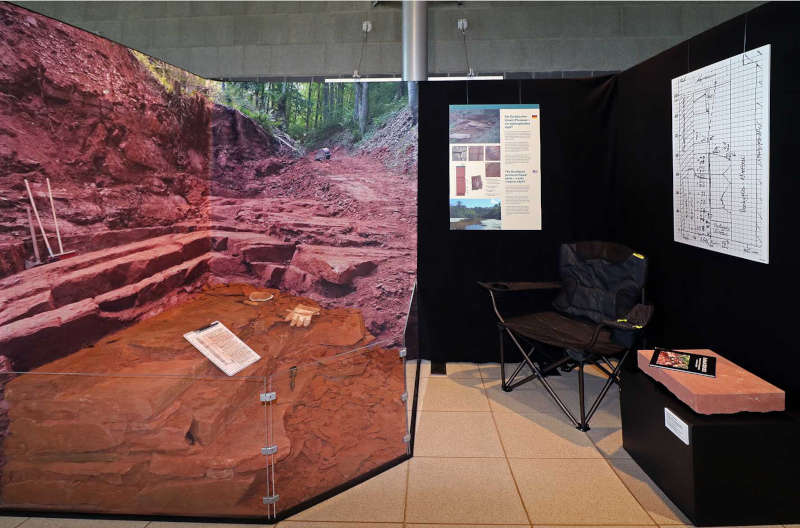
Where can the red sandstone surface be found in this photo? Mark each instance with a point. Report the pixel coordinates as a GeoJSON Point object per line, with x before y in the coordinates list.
{"type": "Point", "coordinates": [733, 390]}
{"type": "Point", "coordinates": [343, 231]}
{"type": "Point", "coordinates": [133, 166]}
{"type": "Point", "coordinates": [159, 430]}
{"type": "Point", "coordinates": [126, 159]}
{"type": "Point", "coordinates": [164, 195]}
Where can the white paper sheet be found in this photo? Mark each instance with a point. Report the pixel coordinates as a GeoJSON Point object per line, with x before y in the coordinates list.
{"type": "Point", "coordinates": [720, 147]}
{"type": "Point", "coordinates": [222, 347]}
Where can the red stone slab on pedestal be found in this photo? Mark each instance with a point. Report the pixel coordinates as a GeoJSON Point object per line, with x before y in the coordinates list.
{"type": "Point", "coordinates": [733, 390]}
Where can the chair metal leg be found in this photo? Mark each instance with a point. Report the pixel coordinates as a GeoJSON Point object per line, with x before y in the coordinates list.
{"type": "Point", "coordinates": [510, 382]}
{"type": "Point", "coordinates": [608, 370]}
{"type": "Point", "coordinates": [537, 372]}
{"type": "Point", "coordinates": [611, 380]}
{"type": "Point", "coordinates": [583, 426]}
{"type": "Point", "coordinates": [501, 331]}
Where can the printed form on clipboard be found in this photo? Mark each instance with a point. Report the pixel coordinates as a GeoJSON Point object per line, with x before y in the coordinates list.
{"type": "Point", "coordinates": [222, 348]}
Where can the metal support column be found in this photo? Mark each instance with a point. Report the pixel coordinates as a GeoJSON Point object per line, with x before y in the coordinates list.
{"type": "Point", "coordinates": [415, 40]}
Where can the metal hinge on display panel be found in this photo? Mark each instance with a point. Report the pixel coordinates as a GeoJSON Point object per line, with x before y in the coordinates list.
{"type": "Point", "coordinates": [403, 352]}
{"type": "Point", "coordinates": [406, 438]}
{"type": "Point", "coordinates": [267, 396]}
{"type": "Point", "coordinates": [272, 499]}
{"type": "Point", "coordinates": [404, 397]}
{"type": "Point", "coordinates": [270, 450]}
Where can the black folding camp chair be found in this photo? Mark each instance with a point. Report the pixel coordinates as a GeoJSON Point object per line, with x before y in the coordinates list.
{"type": "Point", "coordinates": [600, 313]}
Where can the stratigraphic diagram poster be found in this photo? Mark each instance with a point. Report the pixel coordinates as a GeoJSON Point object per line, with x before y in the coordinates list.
{"type": "Point", "coordinates": [720, 164]}
{"type": "Point", "coordinates": [495, 167]}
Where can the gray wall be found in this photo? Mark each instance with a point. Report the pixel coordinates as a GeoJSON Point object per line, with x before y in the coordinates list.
{"type": "Point", "coordinates": [297, 39]}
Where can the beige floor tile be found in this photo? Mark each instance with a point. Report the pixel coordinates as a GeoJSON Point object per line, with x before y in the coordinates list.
{"type": "Point", "coordinates": [313, 524]}
{"type": "Point", "coordinates": [379, 499]}
{"type": "Point", "coordinates": [463, 371]}
{"type": "Point", "coordinates": [608, 440]}
{"type": "Point", "coordinates": [169, 524]}
{"type": "Point", "coordinates": [445, 394]}
{"type": "Point", "coordinates": [575, 492]}
{"type": "Point", "coordinates": [585, 526]}
{"type": "Point", "coordinates": [7, 521]}
{"type": "Point", "coordinates": [747, 526]}
{"type": "Point", "coordinates": [658, 505]}
{"type": "Point", "coordinates": [462, 490]}
{"type": "Point", "coordinates": [423, 384]}
{"type": "Point", "coordinates": [542, 435]}
{"type": "Point", "coordinates": [52, 522]}
{"type": "Point", "coordinates": [457, 434]}
{"type": "Point", "coordinates": [470, 526]}
{"type": "Point", "coordinates": [411, 369]}
{"type": "Point", "coordinates": [531, 400]}
{"type": "Point", "coordinates": [491, 372]}
{"type": "Point", "coordinates": [535, 399]}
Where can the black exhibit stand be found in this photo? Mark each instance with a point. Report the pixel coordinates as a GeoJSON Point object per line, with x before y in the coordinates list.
{"type": "Point", "coordinates": [738, 469]}
{"type": "Point", "coordinates": [606, 154]}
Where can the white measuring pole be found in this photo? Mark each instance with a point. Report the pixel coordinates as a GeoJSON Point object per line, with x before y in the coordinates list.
{"type": "Point", "coordinates": [39, 220]}
{"type": "Point", "coordinates": [55, 220]}
{"type": "Point", "coordinates": [33, 236]}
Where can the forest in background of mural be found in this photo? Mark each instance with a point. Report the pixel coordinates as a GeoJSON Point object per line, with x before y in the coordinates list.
{"type": "Point", "coordinates": [179, 196]}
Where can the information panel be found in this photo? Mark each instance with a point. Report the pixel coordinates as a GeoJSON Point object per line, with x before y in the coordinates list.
{"type": "Point", "coordinates": [495, 167]}
{"type": "Point", "coordinates": [720, 164]}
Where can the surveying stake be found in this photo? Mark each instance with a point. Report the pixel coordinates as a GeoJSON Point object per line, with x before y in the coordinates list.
{"type": "Point", "coordinates": [52, 257]}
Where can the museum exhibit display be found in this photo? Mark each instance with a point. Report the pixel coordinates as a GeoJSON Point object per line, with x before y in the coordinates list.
{"type": "Point", "coordinates": [216, 293]}
{"type": "Point", "coordinates": [200, 316]}
{"type": "Point", "coordinates": [688, 158]}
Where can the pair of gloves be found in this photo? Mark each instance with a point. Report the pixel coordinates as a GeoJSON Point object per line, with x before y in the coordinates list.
{"type": "Point", "coordinates": [301, 315]}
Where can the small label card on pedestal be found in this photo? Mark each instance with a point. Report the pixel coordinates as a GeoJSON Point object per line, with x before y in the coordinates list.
{"type": "Point", "coordinates": [678, 427]}
{"type": "Point", "coordinates": [222, 348]}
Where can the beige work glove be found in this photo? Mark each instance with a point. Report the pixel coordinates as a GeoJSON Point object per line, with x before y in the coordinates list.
{"type": "Point", "coordinates": [301, 315]}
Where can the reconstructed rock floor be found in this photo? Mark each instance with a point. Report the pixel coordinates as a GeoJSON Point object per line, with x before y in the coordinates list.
{"type": "Point", "coordinates": [147, 425]}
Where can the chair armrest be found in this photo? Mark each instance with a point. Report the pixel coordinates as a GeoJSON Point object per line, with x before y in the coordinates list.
{"type": "Point", "coordinates": [636, 320]}
{"type": "Point", "coordinates": [519, 286]}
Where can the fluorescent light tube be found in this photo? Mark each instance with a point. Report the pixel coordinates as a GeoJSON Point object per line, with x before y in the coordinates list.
{"type": "Point", "coordinates": [467, 78]}
{"type": "Point", "coordinates": [362, 79]}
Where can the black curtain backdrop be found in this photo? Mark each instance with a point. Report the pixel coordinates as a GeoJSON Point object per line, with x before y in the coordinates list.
{"type": "Point", "coordinates": [744, 310]}
{"type": "Point", "coordinates": [607, 174]}
{"type": "Point", "coordinates": [458, 323]}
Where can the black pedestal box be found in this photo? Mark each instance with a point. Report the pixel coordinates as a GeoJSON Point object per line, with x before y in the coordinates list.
{"type": "Point", "coordinates": [738, 469]}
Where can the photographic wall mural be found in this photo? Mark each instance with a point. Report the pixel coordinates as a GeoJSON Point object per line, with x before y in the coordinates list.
{"type": "Point", "coordinates": [139, 202]}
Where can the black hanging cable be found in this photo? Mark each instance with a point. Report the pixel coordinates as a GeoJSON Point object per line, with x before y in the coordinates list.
{"type": "Point", "coordinates": [463, 25]}
{"type": "Point", "coordinates": [466, 53]}
{"type": "Point", "coordinates": [364, 37]}
{"type": "Point", "coordinates": [688, 54]}
{"type": "Point", "coordinates": [744, 44]}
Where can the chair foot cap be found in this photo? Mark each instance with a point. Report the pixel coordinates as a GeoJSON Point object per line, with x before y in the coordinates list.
{"type": "Point", "coordinates": [506, 389]}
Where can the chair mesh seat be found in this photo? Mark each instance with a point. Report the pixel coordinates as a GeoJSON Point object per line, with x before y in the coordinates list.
{"type": "Point", "coordinates": [557, 330]}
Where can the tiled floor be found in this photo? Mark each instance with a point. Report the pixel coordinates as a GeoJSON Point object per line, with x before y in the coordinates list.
{"type": "Point", "coordinates": [485, 458]}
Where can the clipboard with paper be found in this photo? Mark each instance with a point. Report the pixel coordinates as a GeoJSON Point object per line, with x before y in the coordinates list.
{"type": "Point", "coordinates": [222, 347]}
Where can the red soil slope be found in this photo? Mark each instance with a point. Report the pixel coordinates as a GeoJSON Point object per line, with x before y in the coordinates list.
{"type": "Point", "coordinates": [126, 159]}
